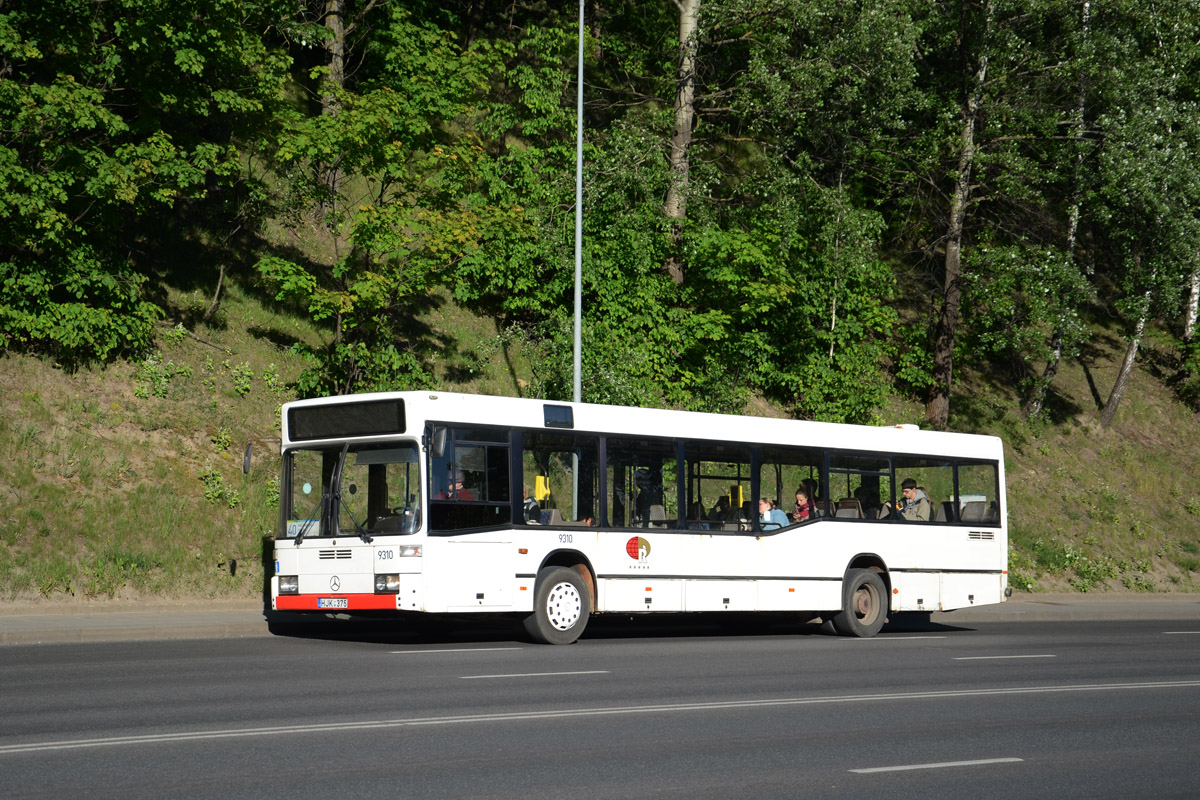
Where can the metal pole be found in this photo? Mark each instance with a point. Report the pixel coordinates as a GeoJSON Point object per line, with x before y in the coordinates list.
{"type": "Point", "coordinates": [578, 393]}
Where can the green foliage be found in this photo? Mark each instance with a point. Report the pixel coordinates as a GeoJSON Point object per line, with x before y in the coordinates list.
{"type": "Point", "coordinates": [221, 439]}
{"type": "Point", "coordinates": [112, 112]}
{"type": "Point", "coordinates": [153, 376]}
{"type": "Point", "coordinates": [242, 376]}
{"type": "Point", "coordinates": [115, 568]}
{"type": "Point", "coordinates": [820, 171]}
{"type": "Point", "coordinates": [216, 490]}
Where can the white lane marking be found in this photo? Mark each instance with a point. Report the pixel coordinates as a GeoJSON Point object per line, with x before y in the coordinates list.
{"type": "Point", "coordinates": [457, 650]}
{"type": "Point", "coordinates": [990, 658]}
{"type": "Point", "coordinates": [939, 765]}
{"type": "Point", "coordinates": [567, 713]}
{"type": "Point", "coordinates": [533, 674]}
{"type": "Point", "coordinates": [1178, 633]}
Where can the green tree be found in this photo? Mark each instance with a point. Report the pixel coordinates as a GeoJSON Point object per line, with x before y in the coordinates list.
{"type": "Point", "coordinates": [1148, 174]}
{"type": "Point", "coordinates": [113, 111]}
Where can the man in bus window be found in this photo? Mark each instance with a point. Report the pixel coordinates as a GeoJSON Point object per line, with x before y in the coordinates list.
{"type": "Point", "coordinates": [533, 511]}
{"type": "Point", "coordinates": [454, 489]}
{"type": "Point", "coordinates": [915, 505]}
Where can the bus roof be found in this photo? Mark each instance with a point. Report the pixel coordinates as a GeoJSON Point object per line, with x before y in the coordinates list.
{"type": "Point", "coordinates": [472, 409]}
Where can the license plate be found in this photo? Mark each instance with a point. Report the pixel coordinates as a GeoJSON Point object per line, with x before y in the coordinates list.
{"type": "Point", "coordinates": [333, 602]}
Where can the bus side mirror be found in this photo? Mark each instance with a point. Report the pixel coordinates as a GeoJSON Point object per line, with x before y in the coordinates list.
{"type": "Point", "coordinates": [246, 458]}
{"type": "Point", "coordinates": [438, 445]}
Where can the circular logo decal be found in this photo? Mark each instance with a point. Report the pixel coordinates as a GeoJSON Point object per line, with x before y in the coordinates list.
{"type": "Point", "coordinates": [637, 548]}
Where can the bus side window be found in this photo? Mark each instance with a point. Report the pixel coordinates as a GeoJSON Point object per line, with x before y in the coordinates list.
{"type": "Point", "coordinates": [791, 476]}
{"type": "Point", "coordinates": [561, 478]}
{"type": "Point", "coordinates": [643, 479]}
{"type": "Point", "coordinates": [860, 487]}
{"type": "Point", "coordinates": [469, 481]}
{"type": "Point", "coordinates": [977, 492]}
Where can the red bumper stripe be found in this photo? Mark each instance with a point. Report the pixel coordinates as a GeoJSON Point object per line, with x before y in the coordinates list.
{"type": "Point", "coordinates": [356, 602]}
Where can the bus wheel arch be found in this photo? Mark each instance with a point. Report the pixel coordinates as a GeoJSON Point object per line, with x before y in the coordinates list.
{"type": "Point", "coordinates": [866, 598]}
{"type": "Point", "coordinates": [561, 606]}
{"type": "Point", "coordinates": [573, 559]}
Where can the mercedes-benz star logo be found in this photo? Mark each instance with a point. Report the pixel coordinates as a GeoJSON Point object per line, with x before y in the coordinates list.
{"type": "Point", "coordinates": [335, 584]}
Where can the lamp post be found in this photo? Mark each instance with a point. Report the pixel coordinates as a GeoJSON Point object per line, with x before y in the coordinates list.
{"type": "Point", "coordinates": [578, 393]}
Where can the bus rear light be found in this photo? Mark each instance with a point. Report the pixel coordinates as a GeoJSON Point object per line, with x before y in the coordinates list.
{"type": "Point", "coordinates": [387, 584]}
{"type": "Point", "coordinates": [289, 584]}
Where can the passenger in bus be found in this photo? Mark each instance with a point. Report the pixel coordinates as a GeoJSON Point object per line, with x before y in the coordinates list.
{"type": "Point", "coordinates": [814, 498]}
{"type": "Point", "coordinates": [647, 495]}
{"type": "Point", "coordinates": [695, 517]}
{"type": "Point", "coordinates": [533, 511]}
{"type": "Point", "coordinates": [870, 502]}
{"type": "Point", "coordinates": [454, 489]}
{"type": "Point", "coordinates": [915, 506]}
{"type": "Point", "coordinates": [720, 511]}
{"type": "Point", "coordinates": [770, 518]}
{"type": "Point", "coordinates": [805, 509]}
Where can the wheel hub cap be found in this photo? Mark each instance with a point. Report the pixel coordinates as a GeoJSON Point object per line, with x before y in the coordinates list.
{"type": "Point", "coordinates": [564, 606]}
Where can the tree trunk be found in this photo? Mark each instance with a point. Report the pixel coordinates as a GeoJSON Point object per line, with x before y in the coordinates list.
{"type": "Point", "coordinates": [1033, 409]}
{"type": "Point", "coordinates": [1193, 306]}
{"type": "Point", "coordinates": [212, 307]}
{"type": "Point", "coordinates": [675, 207]}
{"type": "Point", "coordinates": [1135, 341]}
{"type": "Point", "coordinates": [335, 48]}
{"type": "Point", "coordinates": [937, 410]}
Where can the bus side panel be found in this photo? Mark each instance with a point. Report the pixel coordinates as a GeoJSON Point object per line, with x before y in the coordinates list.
{"type": "Point", "coordinates": [799, 595]}
{"type": "Point", "coordinates": [916, 591]}
{"type": "Point", "coordinates": [639, 594]}
{"type": "Point", "coordinates": [961, 591]}
{"type": "Point", "coordinates": [412, 593]}
{"type": "Point", "coordinates": [483, 574]}
{"type": "Point", "coordinates": [720, 596]}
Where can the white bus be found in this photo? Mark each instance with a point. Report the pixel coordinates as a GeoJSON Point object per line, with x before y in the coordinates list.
{"type": "Point", "coordinates": [440, 503]}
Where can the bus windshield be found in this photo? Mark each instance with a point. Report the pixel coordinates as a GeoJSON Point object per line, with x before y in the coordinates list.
{"type": "Point", "coordinates": [379, 491]}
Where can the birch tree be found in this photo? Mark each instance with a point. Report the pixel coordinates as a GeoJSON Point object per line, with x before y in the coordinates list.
{"type": "Point", "coordinates": [675, 207]}
{"type": "Point", "coordinates": [1150, 177]}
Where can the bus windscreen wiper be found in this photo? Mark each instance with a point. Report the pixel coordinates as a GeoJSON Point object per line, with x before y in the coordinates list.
{"type": "Point", "coordinates": [322, 504]}
{"type": "Point", "coordinates": [338, 503]}
{"type": "Point", "coordinates": [327, 504]}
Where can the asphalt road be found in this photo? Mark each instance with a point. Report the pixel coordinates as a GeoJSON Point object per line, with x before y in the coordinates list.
{"type": "Point", "coordinates": [1025, 709]}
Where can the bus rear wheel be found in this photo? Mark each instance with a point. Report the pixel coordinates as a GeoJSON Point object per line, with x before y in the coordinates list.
{"type": "Point", "coordinates": [561, 606]}
{"type": "Point", "coordinates": [864, 605]}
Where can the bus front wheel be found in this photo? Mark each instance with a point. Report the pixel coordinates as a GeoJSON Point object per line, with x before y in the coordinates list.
{"type": "Point", "coordinates": [561, 605]}
{"type": "Point", "coordinates": [864, 605]}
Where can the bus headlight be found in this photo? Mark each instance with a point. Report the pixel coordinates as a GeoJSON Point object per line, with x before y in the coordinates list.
{"type": "Point", "coordinates": [289, 584]}
{"type": "Point", "coordinates": [405, 550]}
{"type": "Point", "coordinates": [387, 584]}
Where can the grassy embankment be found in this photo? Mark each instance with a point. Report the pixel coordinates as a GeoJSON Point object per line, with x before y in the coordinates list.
{"type": "Point", "coordinates": [126, 482]}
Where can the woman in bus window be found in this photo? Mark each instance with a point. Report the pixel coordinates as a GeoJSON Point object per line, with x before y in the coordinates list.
{"type": "Point", "coordinates": [770, 518]}
{"type": "Point", "coordinates": [805, 509]}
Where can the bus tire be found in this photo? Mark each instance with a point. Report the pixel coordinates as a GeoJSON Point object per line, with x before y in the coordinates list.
{"type": "Point", "coordinates": [561, 606]}
{"type": "Point", "coordinates": [864, 605]}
